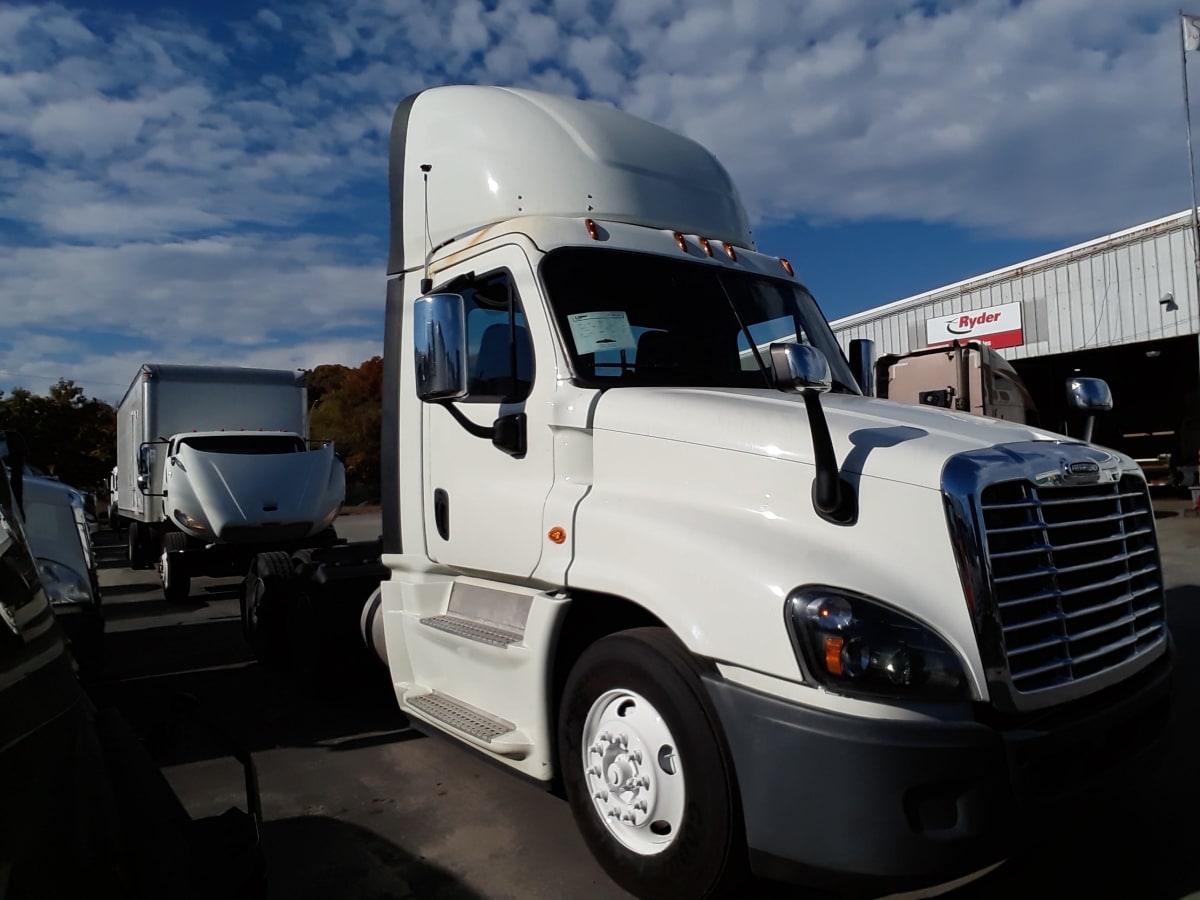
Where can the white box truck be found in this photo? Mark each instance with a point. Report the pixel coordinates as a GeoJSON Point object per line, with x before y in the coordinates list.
{"type": "Point", "coordinates": [214, 465]}
{"type": "Point", "coordinates": [742, 615]}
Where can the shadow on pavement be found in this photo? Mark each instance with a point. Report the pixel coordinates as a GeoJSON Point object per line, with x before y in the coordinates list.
{"type": "Point", "coordinates": [1145, 846]}
{"type": "Point", "coordinates": [147, 670]}
{"type": "Point", "coordinates": [320, 858]}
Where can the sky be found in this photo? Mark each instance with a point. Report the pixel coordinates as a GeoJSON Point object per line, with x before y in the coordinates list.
{"type": "Point", "coordinates": [207, 182]}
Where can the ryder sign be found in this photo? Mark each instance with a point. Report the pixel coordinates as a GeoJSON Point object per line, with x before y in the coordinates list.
{"type": "Point", "coordinates": [996, 326]}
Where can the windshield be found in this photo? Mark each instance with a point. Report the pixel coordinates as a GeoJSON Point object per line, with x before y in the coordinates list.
{"type": "Point", "coordinates": [247, 444]}
{"type": "Point", "coordinates": [636, 319]}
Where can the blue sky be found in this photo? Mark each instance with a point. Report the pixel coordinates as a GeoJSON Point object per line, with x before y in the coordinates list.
{"type": "Point", "coordinates": [206, 182]}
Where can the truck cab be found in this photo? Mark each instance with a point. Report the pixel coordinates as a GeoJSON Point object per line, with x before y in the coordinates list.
{"type": "Point", "coordinates": [648, 543]}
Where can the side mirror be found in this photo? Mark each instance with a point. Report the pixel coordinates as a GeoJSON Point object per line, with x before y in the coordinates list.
{"type": "Point", "coordinates": [440, 347]}
{"type": "Point", "coordinates": [862, 364]}
{"type": "Point", "coordinates": [1090, 395]}
{"type": "Point", "coordinates": [143, 483]}
{"type": "Point", "coordinates": [800, 368]}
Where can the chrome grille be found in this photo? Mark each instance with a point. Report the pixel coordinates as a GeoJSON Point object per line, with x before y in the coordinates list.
{"type": "Point", "coordinates": [1074, 576]}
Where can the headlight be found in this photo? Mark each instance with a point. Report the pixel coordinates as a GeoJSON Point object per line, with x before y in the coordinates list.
{"type": "Point", "coordinates": [191, 523]}
{"type": "Point", "coordinates": [854, 645]}
{"type": "Point", "coordinates": [62, 583]}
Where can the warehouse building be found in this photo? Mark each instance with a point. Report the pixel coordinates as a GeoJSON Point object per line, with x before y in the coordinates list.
{"type": "Point", "coordinates": [1123, 307]}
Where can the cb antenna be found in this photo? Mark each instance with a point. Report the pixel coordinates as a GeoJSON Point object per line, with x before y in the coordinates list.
{"type": "Point", "coordinates": [427, 282]}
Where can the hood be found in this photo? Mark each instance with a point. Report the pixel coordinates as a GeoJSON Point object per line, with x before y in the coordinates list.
{"type": "Point", "coordinates": [872, 438]}
{"type": "Point", "coordinates": [55, 523]}
{"type": "Point", "coordinates": [289, 495]}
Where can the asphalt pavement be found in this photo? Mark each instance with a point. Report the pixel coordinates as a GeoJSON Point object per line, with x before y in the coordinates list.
{"type": "Point", "coordinates": [358, 806]}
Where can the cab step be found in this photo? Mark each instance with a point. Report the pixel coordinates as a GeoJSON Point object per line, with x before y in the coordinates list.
{"type": "Point", "coordinates": [497, 735]}
{"type": "Point", "coordinates": [474, 630]}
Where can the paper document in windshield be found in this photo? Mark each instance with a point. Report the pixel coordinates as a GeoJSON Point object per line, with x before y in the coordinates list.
{"type": "Point", "coordinates": [597, 331]}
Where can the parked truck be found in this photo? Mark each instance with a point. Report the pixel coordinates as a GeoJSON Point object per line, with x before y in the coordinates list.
{"type": "Point", "coordinates": [971, 377]}
{"type": "Point", "coordinates": [55, 523]}
{"type": "Point", "coordinates": [86, 810]}
{"type": "Point", "coordinates": [645, 541]}
{"type": "Point", "coordinates": [968, 376]}
{"type": "Point", "coordinates": [214, 465]}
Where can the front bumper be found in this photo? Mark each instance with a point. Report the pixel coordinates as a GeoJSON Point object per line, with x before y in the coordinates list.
{"type": "Point", "coordinates": [827, 797]}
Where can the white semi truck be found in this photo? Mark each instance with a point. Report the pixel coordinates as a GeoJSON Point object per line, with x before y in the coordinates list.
{"type": "Point", "coordinates": [214, 465]}
{"type": "Point", "coordinates": [743, 616]}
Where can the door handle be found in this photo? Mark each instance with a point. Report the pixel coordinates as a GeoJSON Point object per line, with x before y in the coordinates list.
{"type": "Point", "coordinates": [441, 513]}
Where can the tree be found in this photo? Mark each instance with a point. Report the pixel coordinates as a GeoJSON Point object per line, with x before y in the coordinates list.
{"type": "Point", "coordinates": [347, 406]}
{"type": "Point", "coordinates": [69, 435]}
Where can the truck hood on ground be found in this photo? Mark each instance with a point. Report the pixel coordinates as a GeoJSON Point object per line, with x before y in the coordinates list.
{"type": "Point", "coordinates": [875, 438]}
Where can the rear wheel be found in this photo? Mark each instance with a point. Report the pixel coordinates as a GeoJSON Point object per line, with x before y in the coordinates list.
{"type": "Point", "coordinates": [137, 541]}
{"type": "Point", "coordinates": [264, 606]}
{"type": "Point", "coordinates": [172, 571]}
{"type": "Point", "coordinates": [647, 771]}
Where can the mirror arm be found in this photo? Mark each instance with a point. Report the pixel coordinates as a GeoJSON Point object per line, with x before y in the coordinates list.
{"type": "Point", "coordinates": [479, 431]}
{"type": "Point", "coordinates": [1088, 424]}
{"type": "Point", "coordinates": [507, 433]}
{"type": "Point", "coordinates": [827, 486]}
{"type": "Point", "coordinates": [833, 497]}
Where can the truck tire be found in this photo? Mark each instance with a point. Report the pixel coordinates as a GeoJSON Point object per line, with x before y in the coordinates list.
{"type": "Point", "coordinates": [137, 543]}
{"type": "Point", "coordinates": [265, 594]}
{"type": "Point", "coordinates": [634, 709]}
{"type": "Point", "coordinates": [175, 578]}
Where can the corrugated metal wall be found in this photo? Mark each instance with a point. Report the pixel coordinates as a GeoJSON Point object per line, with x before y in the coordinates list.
{"type": "Point", "coordinates": [1098, 294]}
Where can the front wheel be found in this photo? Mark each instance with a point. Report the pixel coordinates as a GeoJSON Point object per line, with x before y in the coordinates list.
{"type": "Point", "coordinates": [647, 771]}
{"type": "Point", "coordinates": [176, 580]}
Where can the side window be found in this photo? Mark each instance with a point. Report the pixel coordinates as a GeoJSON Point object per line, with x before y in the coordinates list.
{"type": "Point", "coordinates": [499, 349]}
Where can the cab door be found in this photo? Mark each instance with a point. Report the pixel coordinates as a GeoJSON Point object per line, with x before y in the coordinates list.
{"type": "Point", "coordinates": [483, 506]}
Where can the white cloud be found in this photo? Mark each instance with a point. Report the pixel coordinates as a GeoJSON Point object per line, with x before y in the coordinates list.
{"type": "Point", "coordinates": [270, 19]}
{"type": "Point", "coordinates": [176, 187]}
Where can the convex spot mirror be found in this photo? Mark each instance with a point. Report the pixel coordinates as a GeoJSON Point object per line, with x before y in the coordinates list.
{"type": "Point", "coordinates": [440, 347]}
{"type": "Point", "coordinates": [800, 368]}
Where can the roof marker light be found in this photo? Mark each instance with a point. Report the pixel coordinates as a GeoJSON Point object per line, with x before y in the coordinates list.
{"type": "Point", "coordinates": [592, 229]}
{"type": "Point", "coordinates": [729, 251]}
{"type": "Point", "coordinates": [706, 246]}
{"type": "Point", "coordinates": [679, 241]}
{"type": "Point", "coordinates": [787, 267]}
